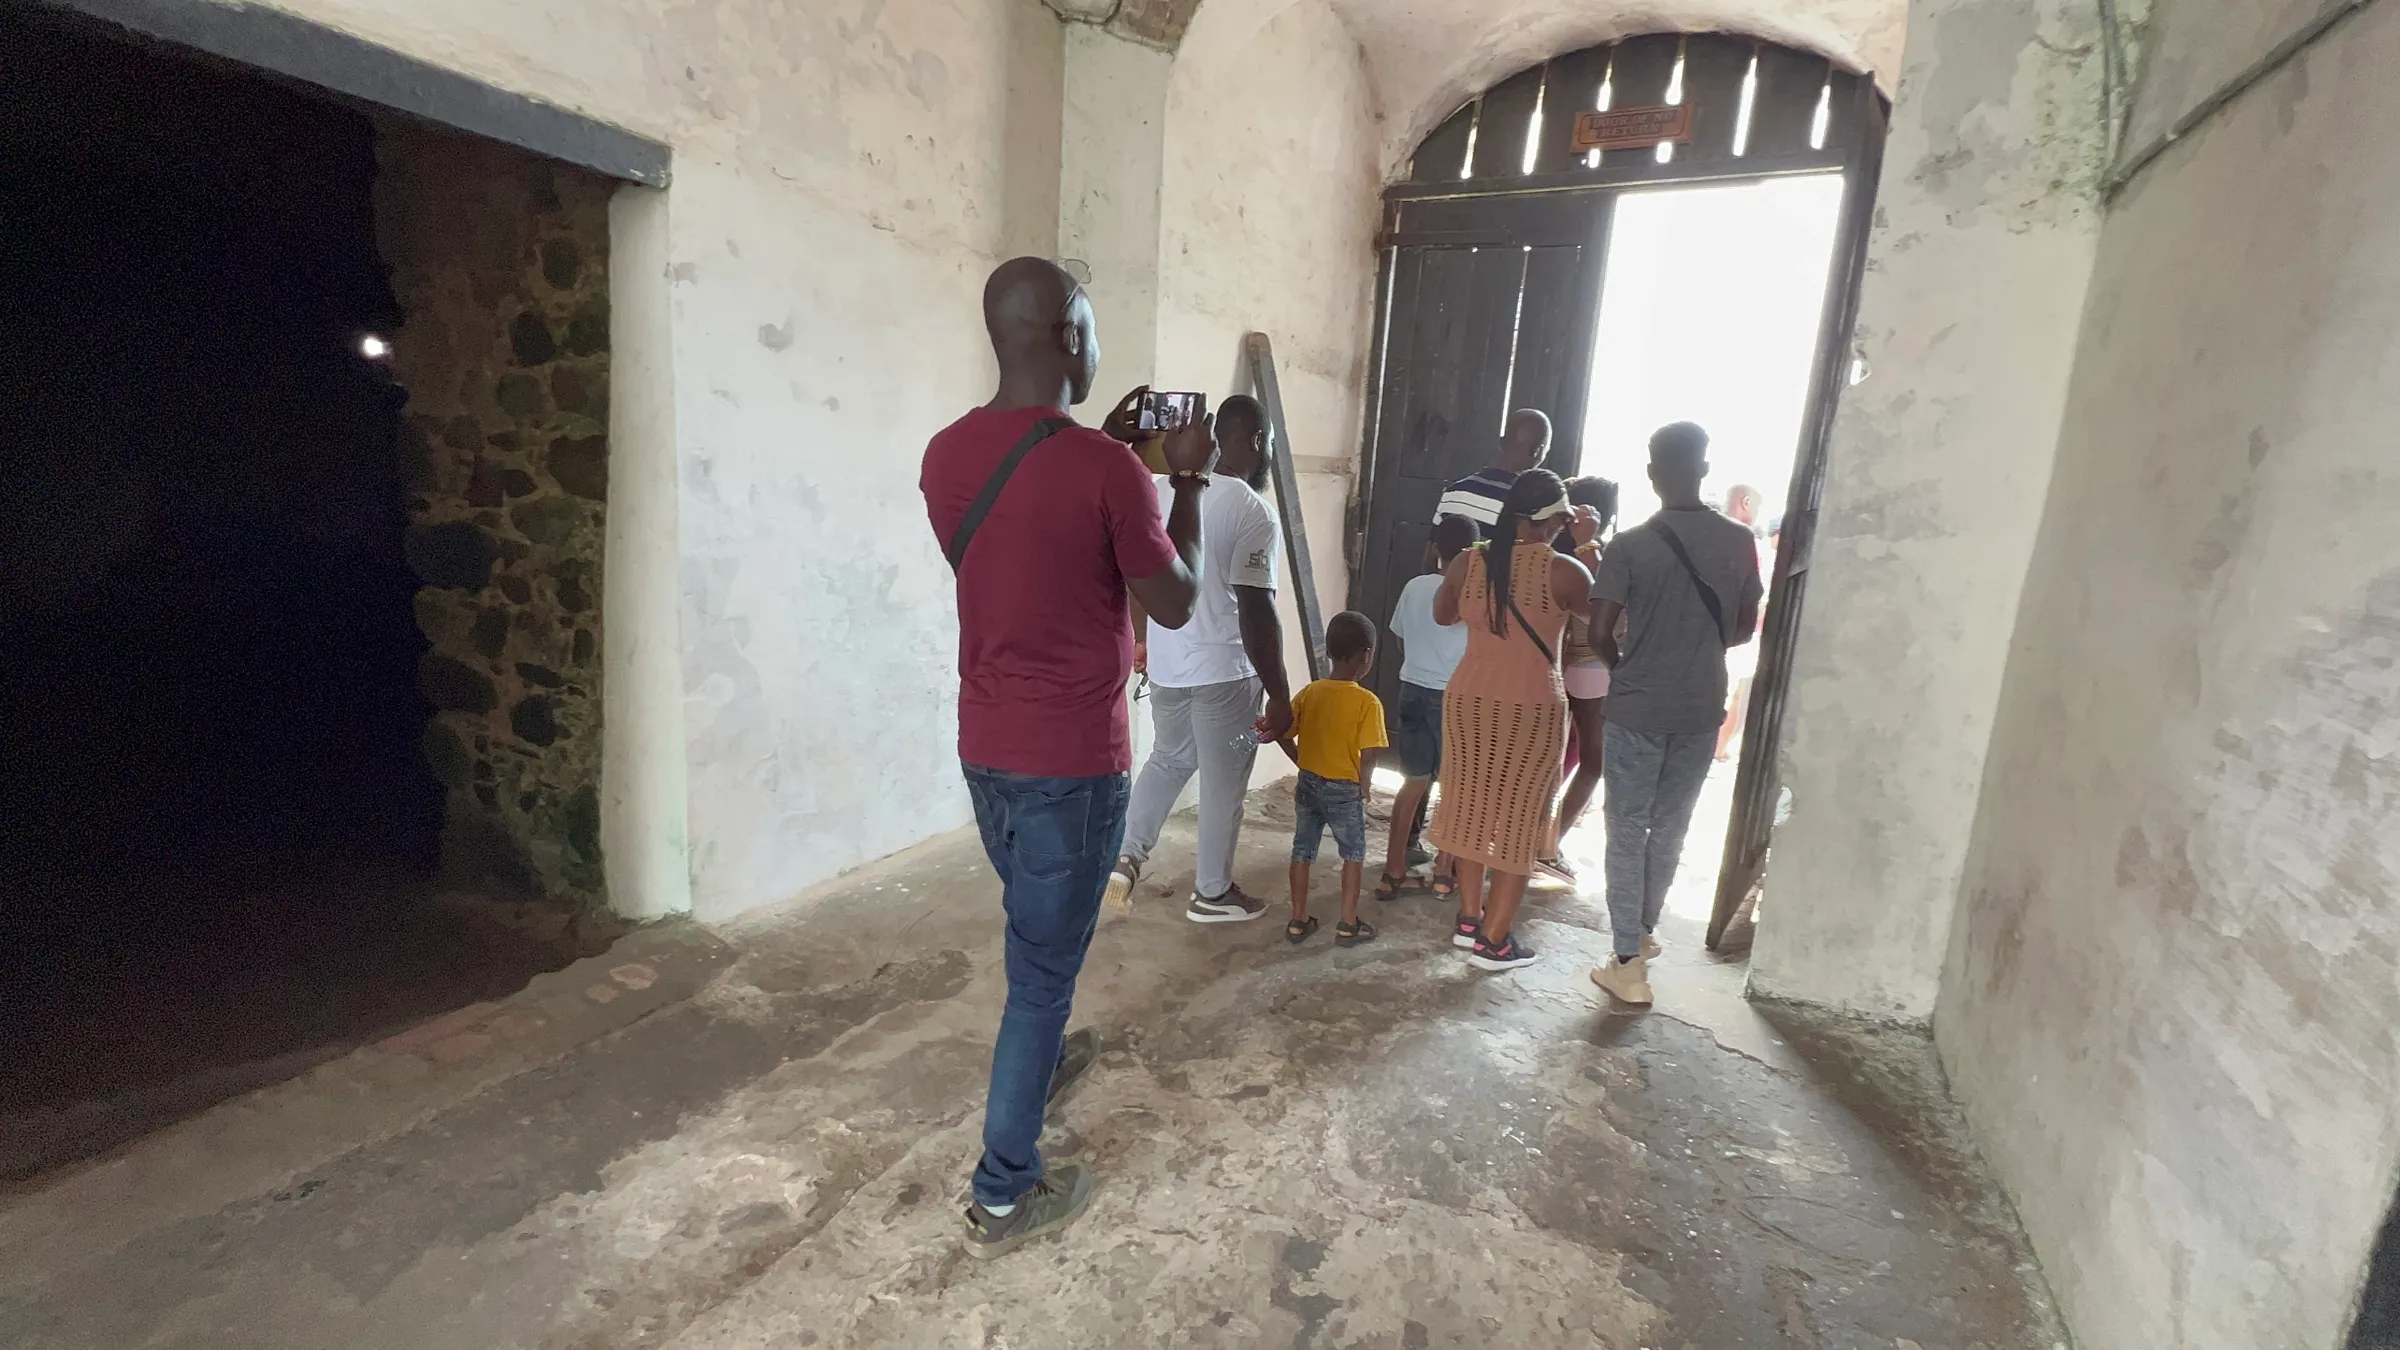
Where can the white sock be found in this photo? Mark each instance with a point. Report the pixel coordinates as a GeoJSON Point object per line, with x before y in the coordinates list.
{"type": "Point", "coordinates": [1001, 1211]}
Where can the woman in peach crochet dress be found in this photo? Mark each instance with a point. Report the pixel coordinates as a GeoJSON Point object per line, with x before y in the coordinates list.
{"type": "Point", "coordinates": [1504, 716]}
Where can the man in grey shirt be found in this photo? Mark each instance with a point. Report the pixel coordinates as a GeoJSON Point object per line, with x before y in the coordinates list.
{"type": "Point", "coordinates": [1686, 583]}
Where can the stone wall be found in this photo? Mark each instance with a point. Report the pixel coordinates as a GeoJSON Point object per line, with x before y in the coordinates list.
{"type": "Point", "coordinates": [2173, 984]}
{"type": "Point", "coordinates": [500, 262]}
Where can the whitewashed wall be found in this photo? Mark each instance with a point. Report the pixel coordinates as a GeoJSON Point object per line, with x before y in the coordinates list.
{"type": "Point", "coordinates": [2174, 985]}
{"type": "Point", "coordinates": [845, 174]}
{"type": "Point", "coordinates": [1984, 230]}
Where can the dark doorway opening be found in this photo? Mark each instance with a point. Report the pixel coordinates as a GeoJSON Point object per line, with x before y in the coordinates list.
{"type": "Point", "coordinates": [221, 838]}
{"type": "Point", "coordinates": [1496, 259]}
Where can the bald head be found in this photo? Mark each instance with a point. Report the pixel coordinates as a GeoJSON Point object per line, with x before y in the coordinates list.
{"type": "Point", "coordinates": [1242, 439]}
{"type": "Point", "coordinates": [1526, 440]}
{"type": "Point", "coordinates": [1742, 502]}
{"type": "Point", "coordinates": [1042, 332]}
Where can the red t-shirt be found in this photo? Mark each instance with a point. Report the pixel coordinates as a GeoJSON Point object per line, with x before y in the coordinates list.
{"type": "Point", "coordinates": [1045, 641]}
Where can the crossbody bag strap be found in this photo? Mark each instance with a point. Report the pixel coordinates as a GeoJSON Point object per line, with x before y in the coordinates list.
{"type": "Point", "coordinates": [1538, 644]}
{"type": "Point", "coordinates": [1522, 621]}
{"type": "Point", "coordinates": [1708, 596]}
{"type": "Point", "coordinates": [956, 549]}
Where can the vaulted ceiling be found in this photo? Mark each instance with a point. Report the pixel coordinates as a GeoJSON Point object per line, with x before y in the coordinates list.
{"type": "Point", "coordinates": [1426, 57]}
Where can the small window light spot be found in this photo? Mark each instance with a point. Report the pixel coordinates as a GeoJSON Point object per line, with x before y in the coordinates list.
{"type": "Point", "coordinates": [1817, 125]}
{"type": "Point", "coordinates": [1607, 95]}
{"type": "Point", "coordinates": [375, 347]}
{"type": "Point", "coordinates": [1741, 118]}
{"type": "Point", "coordinates": [1533, 128]}
{"type": "Point", "coordinates": [1466, 163]}
{"type": "Point", "coordinates": [1666, 149]}
{"type": "Point", "coordinates": [1858, 367]}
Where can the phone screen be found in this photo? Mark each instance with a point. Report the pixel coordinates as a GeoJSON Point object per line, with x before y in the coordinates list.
{"type": "Point", "coordinates": [1167, 411]}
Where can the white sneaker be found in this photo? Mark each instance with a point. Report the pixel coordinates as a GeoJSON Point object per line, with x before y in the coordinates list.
{"type": "Point", "coordinates": [1119, 895]}
{"type": "Point", "coordinates": [1234, 906]}
{"type": "Point", "coordinates": [1625, 981]}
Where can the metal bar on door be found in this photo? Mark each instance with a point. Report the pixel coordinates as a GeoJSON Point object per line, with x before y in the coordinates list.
{"type": "Point", "coordinates": [1261, 354]}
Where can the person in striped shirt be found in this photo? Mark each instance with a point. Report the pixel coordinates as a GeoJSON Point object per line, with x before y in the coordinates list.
{"type": "Point", "coordinates": [1524, 443]}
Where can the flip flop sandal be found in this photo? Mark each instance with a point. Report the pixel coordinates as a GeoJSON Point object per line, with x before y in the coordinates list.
{"type": "Point", "coordinates": [1353, 933]}
{"type": "Point", "coordinates": [1300, 931]}
{"type": "Point", "coordinates": [1390, 887]}
{"type": "Point", "coordinates": [1556, 869]}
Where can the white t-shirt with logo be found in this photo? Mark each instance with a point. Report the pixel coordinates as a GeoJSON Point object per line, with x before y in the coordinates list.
{"type": "Point", "coordinates": [1239, 539]}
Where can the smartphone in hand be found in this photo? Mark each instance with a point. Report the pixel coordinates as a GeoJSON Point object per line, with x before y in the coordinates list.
{"type": "Point", "coordinates": [1163, 412]}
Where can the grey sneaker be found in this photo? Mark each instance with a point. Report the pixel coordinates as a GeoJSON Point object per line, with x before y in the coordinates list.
{"type": "Point", "coordinates": [1076, 1055]}
{"type": "Point", "coordinates": [1234, 906]}
{"type": "Point", "coordinates": [1052, 1204]}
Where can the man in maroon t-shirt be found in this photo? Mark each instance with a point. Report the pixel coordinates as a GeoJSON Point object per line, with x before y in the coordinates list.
{"type": "Point", "coordinates": [1048, 526]}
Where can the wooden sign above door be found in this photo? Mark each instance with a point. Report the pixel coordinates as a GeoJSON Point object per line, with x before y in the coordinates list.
{"type": "Point", "coordinates": [1633, 128]}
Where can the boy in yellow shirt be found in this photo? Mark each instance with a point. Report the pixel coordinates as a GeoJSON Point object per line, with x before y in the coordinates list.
{"type": "Point", "coordinates": [1335, 721]}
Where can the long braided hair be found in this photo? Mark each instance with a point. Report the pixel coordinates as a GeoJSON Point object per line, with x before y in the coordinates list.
{"type": "Point", "coordinates": [1533, 490]}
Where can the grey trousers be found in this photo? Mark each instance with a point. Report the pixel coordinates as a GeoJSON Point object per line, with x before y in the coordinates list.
{"type": "Point", "coordinates": [1207, 729]}
{"type": "Point", "coordinates": [1654, 781]}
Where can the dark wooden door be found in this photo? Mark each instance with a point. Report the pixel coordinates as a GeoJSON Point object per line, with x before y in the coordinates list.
{"type": "Point", "coordinates": [1489, 307]}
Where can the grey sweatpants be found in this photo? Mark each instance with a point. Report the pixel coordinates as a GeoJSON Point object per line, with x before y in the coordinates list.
{"type": "Point", "coordinates": [1207, 729]}
{"type": "Point", "coordinates": [1654, 781]}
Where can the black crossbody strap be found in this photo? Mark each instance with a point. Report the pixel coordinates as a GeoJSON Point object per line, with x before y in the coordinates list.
{"type": "Point", "coordinates": [1538, 644]}
{"type": "Point", "coordinates": [972, 521]}
{"type": "Point", "coordinates": [1708, 597]}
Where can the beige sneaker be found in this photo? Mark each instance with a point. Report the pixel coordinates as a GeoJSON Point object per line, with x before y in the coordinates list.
{"type": "Point", "coordinates": [1119, 895]}
{"type": "Point", "coordinates": [1650, 947]}
{"type": "Point", "coordinates": [1625, 981]}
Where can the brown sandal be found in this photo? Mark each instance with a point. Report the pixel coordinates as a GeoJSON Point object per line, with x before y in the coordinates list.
{"type": "Point", "coordinates": [1389, 887]}
{"type": "Point", "coordinates": [1352, 932]}
{"type": "Point", "coordinates": [1300, 930]}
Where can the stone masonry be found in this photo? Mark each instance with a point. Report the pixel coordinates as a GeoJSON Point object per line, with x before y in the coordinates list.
{"type": "Point", "coordinates": [499, 260]}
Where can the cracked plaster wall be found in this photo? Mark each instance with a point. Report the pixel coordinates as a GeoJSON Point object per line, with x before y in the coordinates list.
{"type": "Point", "coordinates": [1269, 207]}
{"type": "Point", "coordinates": [1982, 247]}
{"type": "Point", "coordinates": [2171, 998]}
{"type": "Point", "coordinates": [845, 174]}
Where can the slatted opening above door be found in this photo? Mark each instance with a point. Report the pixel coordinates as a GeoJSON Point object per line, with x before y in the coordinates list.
{"type": "Point", "coordinates": [1754, 108]}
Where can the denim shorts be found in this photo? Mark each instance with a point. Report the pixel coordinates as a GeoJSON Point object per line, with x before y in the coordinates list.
{"type": "Point", "coordinates": [1418, 732]}
{"type": "Point", "coordinates": [1323, 803]}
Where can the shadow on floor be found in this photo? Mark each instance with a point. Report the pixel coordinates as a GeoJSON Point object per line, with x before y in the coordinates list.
{"type": "Point", "coordinates": [114, 1032]}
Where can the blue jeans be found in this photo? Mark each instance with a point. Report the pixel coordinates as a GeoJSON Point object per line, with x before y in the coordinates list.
{"type": "Point", "coordinates": [1654, 781]}
{"type": "Point", "coordinates": [1320, 804]}
{"type": "Point", "coordinates": [1053, 841]}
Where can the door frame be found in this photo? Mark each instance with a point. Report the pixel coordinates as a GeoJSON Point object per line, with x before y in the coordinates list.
{"type": "Point", "coordinates": [1854, 114]}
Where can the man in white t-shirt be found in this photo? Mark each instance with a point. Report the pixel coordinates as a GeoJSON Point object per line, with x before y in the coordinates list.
{"type": "Point", "coordinates": [1207, 678]}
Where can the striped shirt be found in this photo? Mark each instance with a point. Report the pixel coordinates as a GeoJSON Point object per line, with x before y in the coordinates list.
{"type": "Point", "coordinates": [1478, 497]}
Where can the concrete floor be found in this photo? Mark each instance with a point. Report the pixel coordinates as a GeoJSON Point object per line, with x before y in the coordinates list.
{"type": "Point", "coordinates": [759, 1137]}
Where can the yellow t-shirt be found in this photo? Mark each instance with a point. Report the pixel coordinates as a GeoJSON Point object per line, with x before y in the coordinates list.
{"type": "Point", "coordinates": [1332, 721]}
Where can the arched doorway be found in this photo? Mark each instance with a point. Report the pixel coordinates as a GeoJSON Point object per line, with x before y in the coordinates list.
{"type": "Point", "coordinates": [1494, 254]}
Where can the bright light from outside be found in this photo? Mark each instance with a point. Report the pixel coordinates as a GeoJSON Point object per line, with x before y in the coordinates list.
{"type": "Point", "coordinates": [1709, 314]}
{"type": "Point", "coordinates": [374, 348]}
